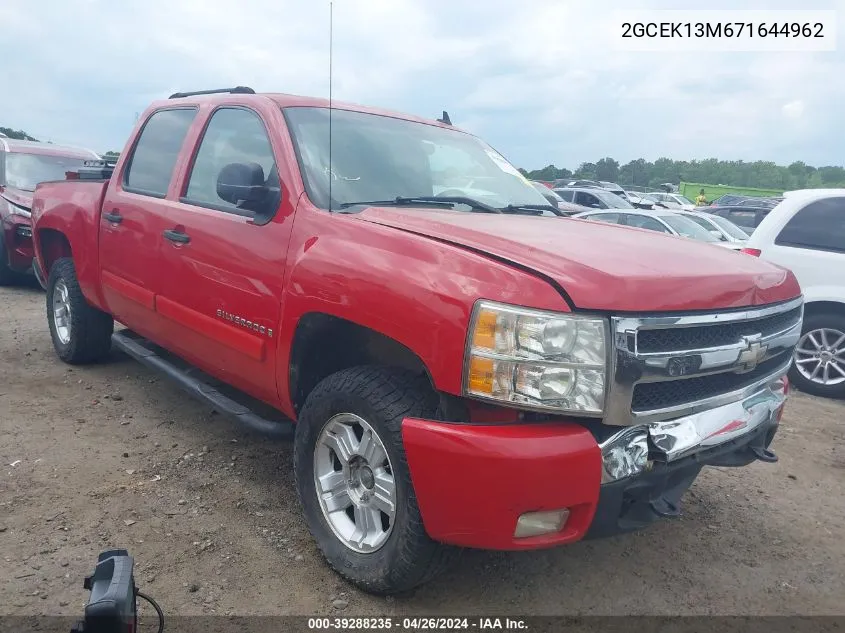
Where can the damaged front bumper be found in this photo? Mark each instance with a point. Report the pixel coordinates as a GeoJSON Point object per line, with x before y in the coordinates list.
{"type": "Point", "coordinates": [735, 434]}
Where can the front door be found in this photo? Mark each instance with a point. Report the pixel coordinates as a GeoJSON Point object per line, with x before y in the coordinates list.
{"type": "Point", "coordinates": [132, 216]}
{"type": "Point", "coordinates": [221, 300]}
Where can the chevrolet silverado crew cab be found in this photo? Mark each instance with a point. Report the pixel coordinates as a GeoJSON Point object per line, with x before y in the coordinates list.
{"type": "Point", "coordinates": [23, 164]}
{"type": "Point", "coordinates": [457, 370]}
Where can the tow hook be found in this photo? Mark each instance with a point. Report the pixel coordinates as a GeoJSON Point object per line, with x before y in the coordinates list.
{"type": "Point", "coordinates": [665, 508]}
{"type": "Point", "coordinates": [763, 454]}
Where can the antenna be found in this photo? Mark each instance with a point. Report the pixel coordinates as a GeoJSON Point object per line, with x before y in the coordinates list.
{"type": "Point", "coordinates": [331, 169]}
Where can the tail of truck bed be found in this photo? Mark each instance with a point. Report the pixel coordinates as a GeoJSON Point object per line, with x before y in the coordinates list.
{"type": "Point", "coordinates": [65, 223]}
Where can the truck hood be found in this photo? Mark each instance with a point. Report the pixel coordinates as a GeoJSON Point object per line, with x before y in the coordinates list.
{"type": "Point", "coordinates": [18, 197]}
{"type": "Point", "coordinates": [603, 266]}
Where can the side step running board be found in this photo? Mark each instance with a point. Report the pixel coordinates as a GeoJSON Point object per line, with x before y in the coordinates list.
{"type": "Point", "coordinates": [141, 350]}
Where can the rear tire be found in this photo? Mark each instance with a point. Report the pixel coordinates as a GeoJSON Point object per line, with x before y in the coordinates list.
{"type": "Point", "coordinates": [81, 333]}
{"type": "Point", "coordinates": [397, 555]}
{"type": "Point", "coordinates": [821, 347]}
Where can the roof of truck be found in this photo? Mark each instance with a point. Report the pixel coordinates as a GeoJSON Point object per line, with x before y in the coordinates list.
{"type": "Point", "coordinates": [290, 101]}
{"type": "Point", "coordinates": [37, 147]}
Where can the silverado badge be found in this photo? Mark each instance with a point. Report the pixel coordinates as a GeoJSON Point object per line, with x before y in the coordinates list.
{"type": "Point", "coordinates": [250, 325]}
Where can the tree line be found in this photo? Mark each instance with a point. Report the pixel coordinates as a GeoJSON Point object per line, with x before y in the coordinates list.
{"type": "Point", "coordinates": [735, 173]}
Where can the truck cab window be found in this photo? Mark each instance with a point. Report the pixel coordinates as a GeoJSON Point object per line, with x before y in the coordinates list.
{"type": "Point", "coordinates": [151, 165]}
{"type": "Point", "coordinates": [233, 135]}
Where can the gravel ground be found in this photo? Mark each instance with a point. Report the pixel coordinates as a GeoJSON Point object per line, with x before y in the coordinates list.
{"type": "Point", "coordinates": [115, 456]}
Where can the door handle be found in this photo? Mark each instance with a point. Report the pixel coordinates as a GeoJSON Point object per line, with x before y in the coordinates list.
{"type": "Point", "coordinates": [113, 216]}
{"type": "Point", "coordinates": [176, 236]}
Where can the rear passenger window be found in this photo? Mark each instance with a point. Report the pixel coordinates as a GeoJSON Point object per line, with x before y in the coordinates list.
{"type": "Point", "coordinates": [744, 218]}
{"type": "Point", "coordinates": [612, 218]}
{"type": "Point", "coordinates": [643, 222]}
{"type": "Point", "coordinates": [154, 156]}
{"type": "Point", "coordinates": [587, 200]}
{"type": "Point", "coordinates": [233, 135]}
{"type": "Point", "coordinates": [819, 226]}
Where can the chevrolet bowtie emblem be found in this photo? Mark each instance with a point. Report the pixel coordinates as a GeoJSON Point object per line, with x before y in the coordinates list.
{"type": "Point", "coordinates": [754, 352]}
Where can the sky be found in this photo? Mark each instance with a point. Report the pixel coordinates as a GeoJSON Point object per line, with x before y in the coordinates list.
{"type": "Point", "coordinates": [543, 81]}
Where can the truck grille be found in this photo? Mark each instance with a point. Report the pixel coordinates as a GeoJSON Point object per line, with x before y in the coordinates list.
{"type": "Point", "coordinates": [668, 366]}
{"type": "Point", "coordinates": [672, 393]}
{"type": "Point", "coordinates": [699, 337]}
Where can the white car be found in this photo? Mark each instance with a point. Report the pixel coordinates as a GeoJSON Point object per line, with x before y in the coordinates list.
{"type": "Point", "coordinates": [659, 220]}
{"type": "Point", "coordinates": [672, 200]}
{"type": "Point", "coordinates": [806, 234]}
{"type": "Point", "coordinates": [721, 228]}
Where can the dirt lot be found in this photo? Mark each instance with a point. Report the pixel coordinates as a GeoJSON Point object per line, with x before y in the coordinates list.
{"type": "Point", "coordinates": [113, 455]}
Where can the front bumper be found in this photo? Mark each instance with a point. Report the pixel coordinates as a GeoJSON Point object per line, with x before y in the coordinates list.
{"type": "Point", "coordinates": [472, 483]}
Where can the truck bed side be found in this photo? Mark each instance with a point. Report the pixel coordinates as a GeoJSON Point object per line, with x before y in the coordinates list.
{"type": "Point", "coordinates": [65, 219]}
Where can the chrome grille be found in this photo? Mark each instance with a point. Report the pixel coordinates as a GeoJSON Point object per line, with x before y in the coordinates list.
{"type": "Point", "coordinates": [668, 366]}
{"type": "Point", "coordinates": [699, 337]}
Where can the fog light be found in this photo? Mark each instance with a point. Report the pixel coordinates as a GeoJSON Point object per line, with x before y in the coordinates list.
{"type": "Point", "coordinates": [624, 454]}
{"type": "Point", "coordinates": [24, 231]}
{"type": "Point", "coordinates": [539, 523]}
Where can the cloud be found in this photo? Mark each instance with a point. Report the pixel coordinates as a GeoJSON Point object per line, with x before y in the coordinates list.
{"type": "Point", "coordinates": [541, 81]}
{"type": "Point", "coordinates": [793, 109]}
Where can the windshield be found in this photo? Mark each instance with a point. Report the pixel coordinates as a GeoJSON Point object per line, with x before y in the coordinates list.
{"type": "Point", "coordinates": [729, 227]}
{"type": "Point", "coordinates": [25, 171]}
{"type": "Point", "coordinates": [682, 199]}
{"type": "Point", "coordinates": [687, 228]}
{"type": "Point", "coordinates": [376, 157]}
{"type": "Point", "coordinates": [611, 199]}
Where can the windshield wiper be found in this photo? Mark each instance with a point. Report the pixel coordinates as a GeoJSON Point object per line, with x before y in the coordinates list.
{"type": "Point", "coordinates": [436, 201]}
{"type": "Point", "coordinates": [530, 209]}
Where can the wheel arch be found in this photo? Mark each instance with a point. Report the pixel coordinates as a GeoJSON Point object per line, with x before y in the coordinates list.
{"type": "Point", "coordinates": [824, 306]}
{"type": "Point", "coordinates": [324, 344]}
{"type": "Point", "coordinates": [52, 245]}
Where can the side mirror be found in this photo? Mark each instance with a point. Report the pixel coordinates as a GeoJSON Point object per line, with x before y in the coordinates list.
{"type": "Point", "coordinates": [242, 184]}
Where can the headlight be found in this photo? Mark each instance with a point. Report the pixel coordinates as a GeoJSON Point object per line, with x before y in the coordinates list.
{"type": "Point", "coordinates": [16, 210]}
{"type": "Point", "coordinates": [541, 360]}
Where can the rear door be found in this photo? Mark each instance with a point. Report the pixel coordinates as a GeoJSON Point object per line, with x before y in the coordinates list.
{"type": "Point", "coordinates": [132, 217]}
{"type": "Point", "coordinates": [221, 300]}
{"type": "Point", "coordinates": [812, 244]}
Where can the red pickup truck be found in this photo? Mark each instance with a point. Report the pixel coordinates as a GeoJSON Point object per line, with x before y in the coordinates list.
{"type": "Point", "coordinates": [459, 367]}
{"type": "Point", "coordinates": [23, 164]}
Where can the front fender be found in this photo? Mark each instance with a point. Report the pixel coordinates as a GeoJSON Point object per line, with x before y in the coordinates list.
{"type": "Point", "coordinates": [413, 289]}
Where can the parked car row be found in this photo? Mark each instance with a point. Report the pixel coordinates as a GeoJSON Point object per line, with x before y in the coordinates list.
{"type": "Point", "coordinates": [803, 231]}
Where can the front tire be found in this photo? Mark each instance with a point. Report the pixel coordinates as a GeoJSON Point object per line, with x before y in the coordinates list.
{"type": "Point", "coordinates": [348, 444]}
{"type": "Point", "coordinates": [818, 366]}
{"type": "Point", "coordinates": [80, 332]}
